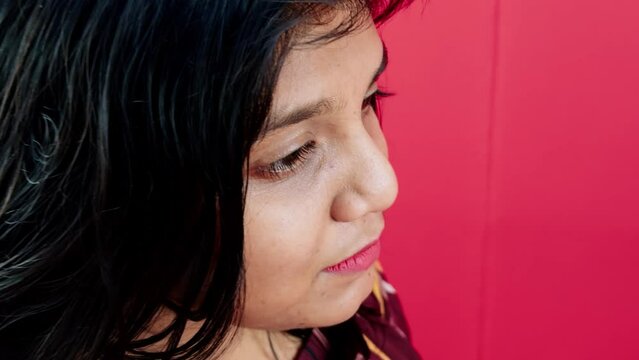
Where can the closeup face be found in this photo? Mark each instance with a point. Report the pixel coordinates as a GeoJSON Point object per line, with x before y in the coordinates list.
{"type": "Point", "coordinates": [318, 182]}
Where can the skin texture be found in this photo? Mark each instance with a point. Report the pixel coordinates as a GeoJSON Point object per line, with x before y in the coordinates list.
{"type": "Point", "coordinates": [328, 208]}
{"type": "Point", "coordinates": [331, 205]}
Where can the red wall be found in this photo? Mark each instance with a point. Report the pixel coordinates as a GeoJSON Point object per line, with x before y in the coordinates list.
{"type": "Point", "coordinates": [515, 137]}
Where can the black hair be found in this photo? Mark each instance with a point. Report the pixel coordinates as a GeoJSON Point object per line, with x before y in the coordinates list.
{"type": "Point", "coordinates": [124, 129]}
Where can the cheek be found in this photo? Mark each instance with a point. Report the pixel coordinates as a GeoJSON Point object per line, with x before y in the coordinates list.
{"type": "Point", "coordinates": [286, 223]}
{"type": "Point", "coordinates": [283, 255]}
{"type": "Point", "coordinates": [282, 234]}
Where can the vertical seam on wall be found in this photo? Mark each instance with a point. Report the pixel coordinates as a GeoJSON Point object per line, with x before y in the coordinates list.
{"type": "Point", "coordinates": [487, 240]}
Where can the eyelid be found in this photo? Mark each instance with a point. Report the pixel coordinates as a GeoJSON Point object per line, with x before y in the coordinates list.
{"type": "Point", "coordinates": [289, 163]}
{"type": "Point", "coordinates": [372, 100]}
{"type": "Point", "coordinates": [372, 91]}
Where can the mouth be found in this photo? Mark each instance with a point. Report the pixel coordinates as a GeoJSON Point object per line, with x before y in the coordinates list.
{"type": "Point", "coordinates": [359, 261]}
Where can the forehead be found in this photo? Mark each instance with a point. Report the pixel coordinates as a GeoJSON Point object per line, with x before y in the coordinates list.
{"type": "Point", "coordinates": [338, 69]}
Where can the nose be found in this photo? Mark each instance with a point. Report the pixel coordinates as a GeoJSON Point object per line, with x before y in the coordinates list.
{"type": "Point", "coordinates": [370, 182]}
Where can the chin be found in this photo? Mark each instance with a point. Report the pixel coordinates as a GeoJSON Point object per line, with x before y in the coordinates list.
{"type": "Point", "coordinates": [342, 307]}
{"type": "Point", "coordinates": [339, 299]}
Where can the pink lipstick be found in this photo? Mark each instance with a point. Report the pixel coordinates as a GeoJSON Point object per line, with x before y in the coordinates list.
{"type": "Point", "coordinates": [361, 261]}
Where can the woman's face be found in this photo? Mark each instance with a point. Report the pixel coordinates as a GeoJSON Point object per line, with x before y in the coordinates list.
{"type": "Point", "coordinates": [319, 181]}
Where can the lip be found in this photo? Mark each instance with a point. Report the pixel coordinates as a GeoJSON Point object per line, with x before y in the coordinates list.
{"type": "Point", "coordinates": [359, 261]}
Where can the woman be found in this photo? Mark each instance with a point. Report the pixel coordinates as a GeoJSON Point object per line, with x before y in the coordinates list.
{"type": "Point", "coordinates": [194, 180]}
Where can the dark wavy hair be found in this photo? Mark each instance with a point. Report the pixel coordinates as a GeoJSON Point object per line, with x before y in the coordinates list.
{"type": "Point", "coordinates": [124, 131]}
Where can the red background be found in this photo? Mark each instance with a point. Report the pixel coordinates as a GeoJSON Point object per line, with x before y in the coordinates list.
{"type": "Point", "coordinates": [515, 137]}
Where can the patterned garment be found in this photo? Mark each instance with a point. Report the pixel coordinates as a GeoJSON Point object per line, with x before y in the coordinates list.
{"type": "Point", "coordinates": [378, 331]}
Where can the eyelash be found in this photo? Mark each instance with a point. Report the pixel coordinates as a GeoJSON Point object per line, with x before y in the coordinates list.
{"type": "Point", "coordinates": [288, 163]}
{"type": "Point", "coordinates": [373, 100]}
{"type": "Point", "coordinates": [291, 162]}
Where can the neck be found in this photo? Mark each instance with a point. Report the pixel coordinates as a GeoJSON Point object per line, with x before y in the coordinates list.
{"type": "Point", "coordinates": [248, 343]}
{"type": "Point", "coordinates": [254, 344]}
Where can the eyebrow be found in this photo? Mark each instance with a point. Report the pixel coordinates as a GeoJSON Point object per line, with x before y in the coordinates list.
{"type": "Point", "coordinates": [321, 107]}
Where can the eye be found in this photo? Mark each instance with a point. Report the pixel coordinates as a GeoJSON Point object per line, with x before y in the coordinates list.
{"type": "Point", "coordinates": [373, 100]}
{"type": "Point", "coordinates": [288, 164]}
